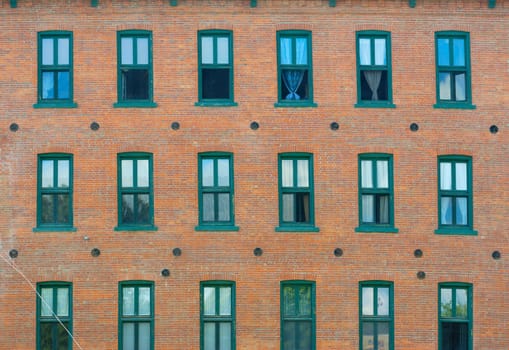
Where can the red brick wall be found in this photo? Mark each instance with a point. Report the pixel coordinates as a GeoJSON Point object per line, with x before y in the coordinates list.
{"type": "Point", "coordinates": [65, 256]}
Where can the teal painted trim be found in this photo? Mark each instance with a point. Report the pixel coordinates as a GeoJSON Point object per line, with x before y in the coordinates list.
{"type": "Point", "coordinates": [173, 2]}
{"type": "Point", "coordinates": [456, 231]}
{"type": "Point", "coordinates": [135, 104]}
{"type": "Point", "coordinates": [14, 3]}
{"type": "Point", "coordinates": [492, 4]}
{"type": "Point", "coordinates": [294, 104]}
{"type": "Point", "coordinates": [454, 105]}
{"type": "Point", "coordinates": [454, 286]}
{"type": "Point", "coordinates": [254, 3]}
{"type": "Point", "coordinates": [54, 229]}
{"type": "Point", "coordinates": [135, 228]}
{"type": "Point", "coordinates": [332, 3]}
{"type": "Point", "coordinates": [216, 104]}
{"type": "Point", "coordinates": [290, 228]}
{"type": "Point", "coordinates": [412, 3]}
{"type": "Point", "coordinates": [377, 104]}
{"type": "Point", "coordinates": [367, 228]}
{"type": "Point", "coordinates": [216, 228]}
{"type": "Point", "coordinates": [94, 3]}
{"type": "Point", "coordinates": [43, 104]}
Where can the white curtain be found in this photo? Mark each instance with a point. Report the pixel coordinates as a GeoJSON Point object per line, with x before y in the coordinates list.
{"type": "Point", "coordinates": [461, 176]}
{"type": "Point", "coordinates": [302, 173]}
{"type": "Point", "coordinates": [366, 174]}
{"type": "Point", "coordinates": [373, 78]}
{"type": "Point", "coordinates": [287, 173]}
{"type": "Point", "coordinates": [382, 174]}
{"type": "Point", "coordinates": [445, 176]}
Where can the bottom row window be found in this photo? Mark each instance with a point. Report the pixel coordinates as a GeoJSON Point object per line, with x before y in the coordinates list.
{"type": "Point", "coordinates": [217, 315]}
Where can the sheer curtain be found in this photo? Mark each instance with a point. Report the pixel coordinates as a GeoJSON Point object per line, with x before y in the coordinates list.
{"type": "Point", "coordinates": [373, 78]}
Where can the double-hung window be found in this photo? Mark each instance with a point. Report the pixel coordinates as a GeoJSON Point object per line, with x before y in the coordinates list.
{"type": "Point", "coordinates": [455, 195]}
{"type": "Point", "coordinates": [298, 315]}
{"type": "Point", "coordinates": [217, 315]}
{"type": "Point", "coordinates": [136, 315]}
{"type": "Point", "coordinates": [376, 315]}
{"type": "Point", "coordinates": [134, 74]}
{"type": "Point", "coordinates": [135, 192]}
{"type": "Point", "coordinates": [55, 73]}
{"type": "Point", "coordinates": [455, 316]}
{"type": "Point", "coordinates": [54, 192]}
{"type": "Point", "coordinates": [215, 191]}
{"type": "Point", "coordinates": [295, 73]}
{"type": "Point", "coordinates": [374, 77]}
{"type": "Point", "coordinates": [453, 70]}
{"type": "Point", "coordinates": [376, 198]}
{"type": "Point", "coordinates": [215, 68]}
{"type": "Point", "coordinates": [296, 192]}
{"type": "Point", "coordinates": [54, 316]}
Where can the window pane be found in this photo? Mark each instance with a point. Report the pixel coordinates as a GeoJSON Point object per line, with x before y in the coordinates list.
{"type": "Point", "coordinates": [48, 85]}
{"type": "Point", "coordinates": [142, 50]}
{"type": "Point", "coordinates": [144, 301]}
{"type": "Point", "coordinates": [62, 342]}
{"type": "Point", "coordinates": [222, 51]}
{"type": "Point", "coordinates": [459, 52]}
{"type": "Point", "coordinates": [445, 176]}
{"type": "Point", "coordinates": [461, 176]}
{"type": "Point", "coordinates": [128, 301]}
{"type": "Point", "coordinates": [207, 172]}
{"type": "Point", "coordinates": [63, 209]}
{"type": "Point", "coordinates": [302, 173]}
{"type": "Point", "coordinates": [143, 209]}
{"type": "Point", "coordinates": [383, 209]}
{"type": "Point", "coordinates": [47, 173]}
{"type": "Point", "coordinates": [286, 50]}
{"type": "Point", "coordinates": [446, 302]}
{"type": "Point", "coordinates": [223, 172]}
{"type": "Point", "coordinates": [383, 302]}
{"type": "Point", "coordinates": [302, 207]}
{"type": "Point", "coordinates": [135, 84]}
{"type": "Point", "coordinates": [287, 172]}
{"type": "Point", "coordinates": [289, 335]}
{"type": "Point", "coordinates": [143, 178]}
{"type": "Point", "coordinates": [63, 51]}
{"type": "Point", "coordinates": [144, 336]}
{"type": "Point", "coordinates": [128, 208]}
{"type": "Point", "coordinates": [225, 294]}
{"type": "Point", "coordinates": [368, 337]}
{"type": "Point", "coordinates": [63, 302]}
{"type": "Point", "coordinates": [225, 332]}
{"type": "Point", "coordinates": [207, 50]}
{"type": "Point", "coordinates": [223, 207]}
{"type": "Point", "coordinates": [301, 50]}
{"type": "Point", "coordinates": [46, 336]}
{"type": "Point", "coordinates": [46, 301]}
{"type": "Point", "coordinates": [368, 208]}
{"type": "Point", "coordinates": [128, 336]}
{"type": "Point", "coordinates": [127, 173]}
{"type": "Point", "coordinates": [459, 86]}
{"type": "Point", "coordinates": [63, 173]}
{"type": "Point", "coordinates": [303, 335]}
{"type": "Point", "coordinates": [461, 303]}
{"type": "Point", "coordinates": [288, 208]}
{"type": "Point", "coordinates": [446, 210]}
{"type": "Point", "coordinates": [368, 301]}
{"type": "Point", "coordinates": [366, 174]}
{"type": "Point", "coordinates": [209, 301]}
{"type": "Point", "coordinates": [127, 50]}
{"type": "Point", "coordinates": [48, 206]}
{"type": "Point", "coordinates": [47, 52]}
{"type": "Point", "coordinates": [445, 86]}
{"type": "Point", "coordinates": [63, 85]}
{"type": "Point", "coordinates": [208, 207]}
{"type": "Point", "coordinates": [443, 52]}
{"type": "Point", "coordinates": [383, 335]}
{"type": "Point", "coordinates": [461, 211]}
{"type": "Point", "coordinates": [215, 83]}
{"type": "Point", "coordinates": [382, 172]}
{"type": "Point", "coordinates": [290, 309]}
{"type": "Point", "coordinates": [365, 51]}
{"type": "Point", "coordinates": [454, 336]}
{"type": "Point", "coordinates": [380, 52]}
{"type": "Point", "coordinates": [305, 301]}
{"type": "Point", "coordinates": [209, 335]}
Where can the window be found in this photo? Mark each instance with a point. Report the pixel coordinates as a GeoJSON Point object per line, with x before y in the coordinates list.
{"type": "Point", "coordinates": [54, 192]}
{"type": "Point", "coordinates": [217, 315]}
{"type": "Point", "coordinates": [136, 315]}
{"type": "Point", "coordinates": [135, 69]}
{"type": "Point", "coordinates": [376, 315]}
{"type": "Point", "coordinates": [215, 191]}
{"type": "Point", "coordinates": [135, 192]}
{"type": "Point", "coordinates": [215, 68]}
{"type": "Point", "coordinates": [374, 77]}
{"type": "Point", "coordinates": [55, 73]}
{"type": "Point", "coordinates": [298, 327]}
{"type": "Point", "coordinates": [453, 70]}
{"type": "Point", "coordinates": [455, 316]}
{"type": "Point", "coordinates": [376, 199]}
{"type": "Point", "coordinates": [54, 316]}
{"type": "Point", "coordinates": [296, 197]}
{"type": "Point", "coordinates": [295, 68]}
{"type": "Point", "coordinates": [455, 194]}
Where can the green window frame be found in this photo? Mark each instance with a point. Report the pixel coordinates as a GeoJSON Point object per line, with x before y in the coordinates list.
{"type": "Point", "coordinates": [55, 192]}
{"type": "Point", "coordinates": [455, 316]}
{"type": "Point", "coordinates": [215, 192]}
{"type": "Point", "coordinates": [136, 315]}
{"type": "Point", "coordinates": [376, 193]}
{"type": "Point", "coordinates": [217, 315]}
{"type": "Point", "coordinates": [374, 69]}
{"type": "Point", "coordinates": [54, 316]}
{"type": "Point", "coordinates": [298, 315]}
{"type": "Point", "coordinates": [376, 315]}
{"type": "Point", "coordinates": [55, 70]}
{"type": "Point", "coordinates": [215, 68]}
{"type": "Point", "coordinates": [296, 192]}
{"type": "Point", "coordinates": [135, 192]}
{"type": "Point", "coordinates": [453, 74]}
{"type": "Point", "coordinates": [455, 196]}
{"type": "Point", "coordinates": [134, 69]}
{"type": "Point", "coordinates": [294, 69]}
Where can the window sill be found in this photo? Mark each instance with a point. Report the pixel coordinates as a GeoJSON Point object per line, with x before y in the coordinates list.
{"type": "Point", "coordinates": [55, 229]}
{"type": "Point", "coordinates": [377, 104]}
{"type": "Point", "coordinates": [465, 231]}
{"type": "Point", "coordinates": [454, 105]}
{"type": "Point", "coordinates": [382, 229]}
{"type": "Point", "coordinates": [297, 229]}
{"type": "Point", "coordinates": [135, 228]}
{"type": "Point", "coordinates": [216, 228]}
{"type": "Point", "coordinates": [285, 104]}
{"type": "Point", "coordinates": [216, 104]}
{"type": "Point", "coordinates": [66, 104]}
{"type": "Point", "coordinates": [135, 104]}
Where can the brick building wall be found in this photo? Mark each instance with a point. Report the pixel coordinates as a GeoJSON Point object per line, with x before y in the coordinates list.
{"type": "Point", "coordinates": [228, 255]}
